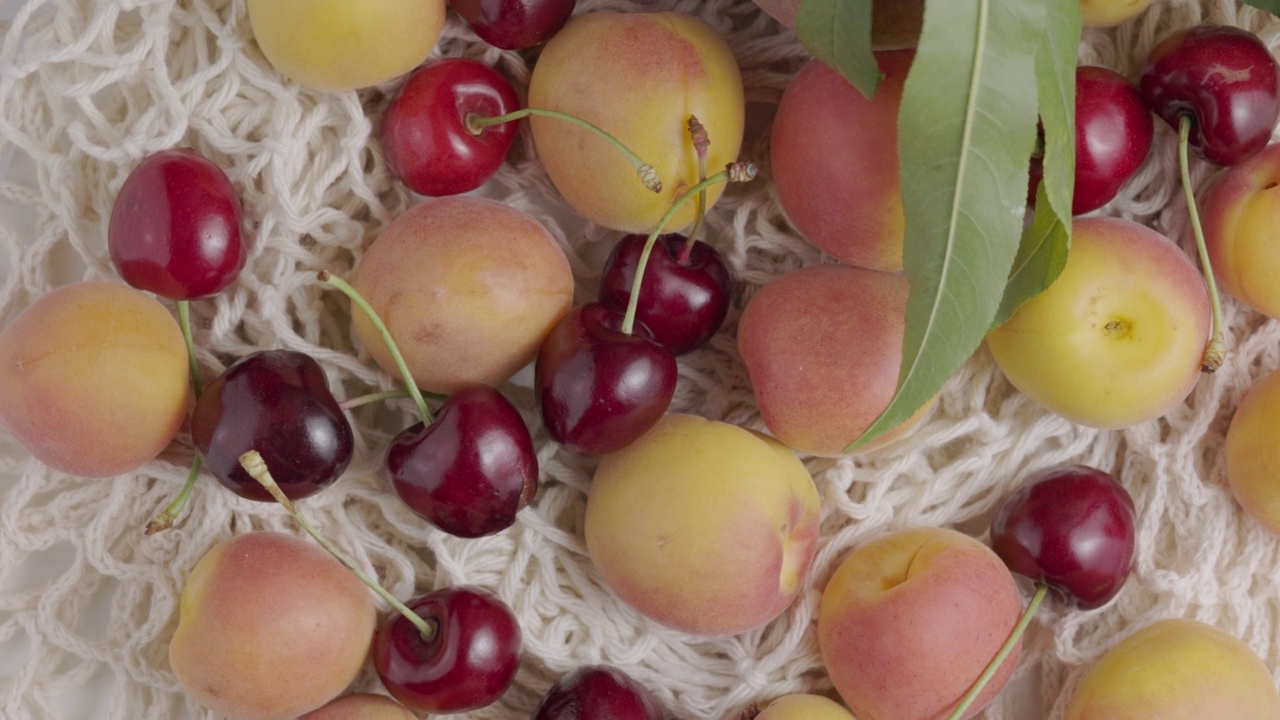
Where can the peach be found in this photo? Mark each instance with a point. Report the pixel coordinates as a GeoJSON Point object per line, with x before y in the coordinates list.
{"type": "Point", "coordinates": [895, 24]}
{"type": "Point", "coordinates": [361, 706]}
{"type": "Point", "coordinates": [822, 346]}
{"type": "Point", "coordinates": [803, 707]}
{"type": "Point", "coordinates": [263, 601]}
{"type": "Point", "coordinates": [1118, 338]}
{"type": "Point", "coordinates": [1240, 214]}
{"type": "Point", "coordinates": [467, 286]}
{"type": "Point", "coordinates": [1252, 452]}
{"type": "Point", "coordinates": [703, 526]}
{"type": "Point", "coordinates": [638, 76]}
{"type": "Point", "coordinates": [835, 162]}
{"type": "Point", "coordinates": [340, 45]}
{"type": "Point", "coordinates": [93, 378]}
{"type": "Point", "coordinates": [910, 620]}
{"type": "Point", "coordinates": [1176, 670]}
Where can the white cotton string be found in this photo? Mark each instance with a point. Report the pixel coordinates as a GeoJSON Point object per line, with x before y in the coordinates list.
{"type": "Point", "coordinates": [88, 88]}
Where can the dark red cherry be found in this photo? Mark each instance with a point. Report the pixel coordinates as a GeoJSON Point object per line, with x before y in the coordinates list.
{"type": "Point", "coordinates": [683, 299]}
{"type": "Point", "coordinates": [278, 403]}
{"type": "Point", "coordinates": [598, 692]}
{"type": "Point", "coordinates": [1226, 79]}
{"type": "Point", "coordinates": [514, 24]}
{"type": "Point", "coordinates": [175, 227]}
{"type": "Point", "coordinates": [599, 388]}
{"type": "Point", "coordinates": [469, 661]}
{"type": "Point", "coordinates": [425, 135]}
{"type": "Point", "coordinates": [471, 470]}
{"type": "Point", "coordinates": [1070, 527]}
{"type": "Point", "coordinates": [1113, 136]}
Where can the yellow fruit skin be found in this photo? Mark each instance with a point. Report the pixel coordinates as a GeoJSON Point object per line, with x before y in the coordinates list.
{"type": "Point", "coordinates": [804, 707]}
{"type": "Point", "coordinates": [1252, 452]}
{"type": "Point", "coordinates": [1109, 13]}
{"type": "Point", "coordinates": [1241, 212]}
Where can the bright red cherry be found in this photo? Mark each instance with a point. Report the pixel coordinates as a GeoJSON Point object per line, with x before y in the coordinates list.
{"type": "Point", "coordinates": [1114, 130]}
{"type": "Point", "coordinates": [1070, 527]}
{"type": "Point", "coordinates": [684, 297]}
{"type": "Point", "coordinates": [600, 388]}
{"type": "Point", "coordinates": [469, 472]}
{"type": "Point", "coordinates": [426, 137]}
{"type": "Point", "coordinates": [598, 692]}
{"type": "Point", "coordinates": [514, 24]}
{"type": "Point", "coordinates": [278, 403]}
{"type": "Point", "coordinates": [468, 662]}
{"type": "Point", "coordinates": [1226, 79]}
{"type": "Point", "coordinates": [175, 227]}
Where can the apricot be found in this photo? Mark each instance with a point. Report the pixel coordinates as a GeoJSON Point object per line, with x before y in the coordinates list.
{"type": "Point", "coordinates": [93, 378]}
{"type": "Point", "coordinates": [361, 706]}
{"type": "Point", "coordinates": [467, 286]}
{"type": "Point", "coordinates": [804, 707]}
{"type": "Point", "coordinates": [1176, 670]}
{"type": "Point", "coordinates": [638, 76]}
{"type": "Point", "coordinates": [703, 526]}
{"type": "Point", "coordinates": [1109, 13]}
{"type": "Point", "coordinates": [822, 346]}
{"type": "Point", "coordinates": [910, 620]}
{"type": "Point", "coordinates": [1240, 215]}
{"type": "Point", "coordinates": [1252, 452]}
{"type": "Point", "coordinates": [258, 603]}
{"type": "Point", "coordinates": [341, 45]}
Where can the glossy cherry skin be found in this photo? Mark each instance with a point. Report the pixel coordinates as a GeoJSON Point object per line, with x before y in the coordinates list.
{"type": "Point", "coordinates": [469, 472]}
{"type": "Point", "coordinates": [278, 403]}
{"type": "Point", "coordinates": [598, 388]}
{"type": "Point", "coordinates": [467, 664]}
{"type": "Point", "coordinates": [1070, 527]}
{"type": "Point", "coordinates": [683, 299]}
{"type": "Point", "coordinates": [425, 136]}
{"type": "Point", "coordinates": [1114, 130]}
{"type": "Point", "coordinates": [1226, 79]}
{"type": "Point", "coordinates": [176, 227]}
{"type": "Point", "coordinates": [514, 24]}
{"type": "Point", "coordinates": [598, 692]}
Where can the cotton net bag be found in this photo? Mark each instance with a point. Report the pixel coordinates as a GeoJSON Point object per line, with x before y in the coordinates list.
{"type": "Point", "coordinates": [88, 603]}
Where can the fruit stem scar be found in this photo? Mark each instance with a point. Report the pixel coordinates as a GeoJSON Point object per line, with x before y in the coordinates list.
{"type": "Point", "coordinates": [476, 124]}
{"type": "Point", "coordinates": [1014, 635]}
{"type": "Point", "coordinates": [1116, 329]}
{"type": "Point", "coordinates": [1216, 350]}
{"type": "Point", "coordinates": [253, 464]}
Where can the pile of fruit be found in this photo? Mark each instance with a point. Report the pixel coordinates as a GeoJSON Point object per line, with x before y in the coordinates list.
{"type": "Point", "coordinates": [503, 359]}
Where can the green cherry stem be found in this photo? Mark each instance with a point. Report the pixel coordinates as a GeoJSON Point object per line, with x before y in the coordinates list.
{"type": "Point", "coordinates": [184, 323]}
{"type": "Point", "coordinates": [734, 172]}
{"type": "Point", "coordinates": [410, 386]}
{"type": "Point", "coordinates": [477, 123]}
{"type": "Point", "coordinates": [169, 515]}
{"type": "Point", "coordinates": [1012, 641]}
{"type": "Point", "coordinates": [1216, 351]}
{"type": "Point", "coordinates": [253, 464]}
{"type": "Point", "coordinates": [701, 141]}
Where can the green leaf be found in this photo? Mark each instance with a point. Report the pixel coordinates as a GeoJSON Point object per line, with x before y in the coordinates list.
{"type": "Point", "coordinates": [966, 131]}
{"type": "Point", "coordinates": [1041, 256]}
{"type": "Point", "coordinates": [1271, 6]}
{"type": "Point", "coordinates": [838, 32]}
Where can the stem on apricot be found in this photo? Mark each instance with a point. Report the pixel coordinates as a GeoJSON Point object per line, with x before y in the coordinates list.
{"type": "Point", "coordinates": [169, 515]}
{"type": "Point", "coordinates": [410, 386]}
{"type": "Point", "coordinates": [253, 464]}
{"type": "Point", "coordinates": [1014, 636]}
{"type": "Point", "coordinates": [477, 123]}
{"type": "Point", "coordinates": [701, 141]}
{"type": "Point", "coordinates": [734, 172]}
{"type": "Point", "coordinates": [1216, 351]}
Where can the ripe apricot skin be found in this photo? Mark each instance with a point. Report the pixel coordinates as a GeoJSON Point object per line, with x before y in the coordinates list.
{"type": "Point", "coordinates": [1252, 452]}
{"type": "Point", "coordinates": [93, 378]}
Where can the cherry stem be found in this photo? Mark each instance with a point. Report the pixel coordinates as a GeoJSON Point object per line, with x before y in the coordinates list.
{"type": "Point", "coordinates": [166, 518]}
{"type": "Point", "coordinates": [1014, 636]}
{"type": "Point", "coordinates": [253, 464]}
{"type": "Point", "coordinates": [184, 322]}
{"type": "Point", "coordinates": [701, 141]}
{"type": "Point", "coordinates": [476, 124]}
{"type": "Point", "coordinates": [734, 172]}
{"type": "Point", "coordinates": [410, 386]}
{"type": "Point", "coordinates": [360, 400]}
{"type": "Point", "coordinates": [1216, 351]}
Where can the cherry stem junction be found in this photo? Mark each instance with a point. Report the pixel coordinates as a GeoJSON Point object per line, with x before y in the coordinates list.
{"type": "Point", "coordinates": [477, 123]}
{"type": "Point", "coordinates": [410, 386]}
{"type": "Point", "coordinates": [169, 515]}
{"type": "Point", "coordinates": [734, 172]}
{"type": "Point", "coordinates": [253, 464]}
{"type": "Point", "coordinates": [1216, 351]}
{"type": "Point", "coordinates": [1014, 636]}
{"type": "Point", "coordinates": [701, 141]}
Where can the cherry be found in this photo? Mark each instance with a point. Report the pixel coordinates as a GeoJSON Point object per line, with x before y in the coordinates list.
{"type": "Point", "coordinates": [278, 403]}
{"type": "Point", "coordinates": [685, 294]}
{"type": "Point", "coordinates": [468, 661]}
{"type": "Point", "coordinates": [1114, 130]}
{"type": "Point", "coordinates": [514, 24]}
{"type": "Point", "coordinates": [471, 470]}
{"type": "Point", "coordinates": [1222, 77]}
{"type": "Point", "coordinates": [1071, 528]}
{"type": "Point", "coordinates": [598, 692]}
{"type": "Point", "coordinates": [175, 227]}
{"type": "Point", "coordinates": [598, 387]}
